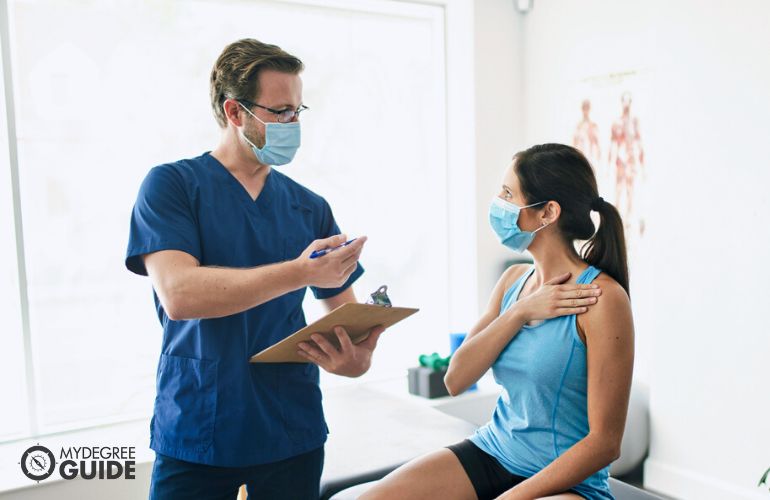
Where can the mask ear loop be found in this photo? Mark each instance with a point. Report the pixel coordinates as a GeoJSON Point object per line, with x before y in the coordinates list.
{"type": "Point", "coordinates": [534, 204]}
{"type": "Point", "coordinates": [543, 226]}
{"type": "Point", "coordinates": [255, 117]}
{"type": "Point", "coordinates": [252, 114]}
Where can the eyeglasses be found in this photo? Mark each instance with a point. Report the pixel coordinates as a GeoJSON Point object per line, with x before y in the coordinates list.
{"type": "Point", "coordinates": [284, 115]}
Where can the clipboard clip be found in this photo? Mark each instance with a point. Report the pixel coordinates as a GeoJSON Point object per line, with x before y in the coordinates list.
{"type": "Point", "coordinates": [380, 297]}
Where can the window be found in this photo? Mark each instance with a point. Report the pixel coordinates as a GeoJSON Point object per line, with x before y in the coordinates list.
{"type": "Point", "coordinates": [106, 90]}
{"type": "Point", "coordinates": [13, 418]}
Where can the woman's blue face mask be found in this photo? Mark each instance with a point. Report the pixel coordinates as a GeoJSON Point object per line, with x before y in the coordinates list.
{"type": "Point", "coordinates": [503, 217]}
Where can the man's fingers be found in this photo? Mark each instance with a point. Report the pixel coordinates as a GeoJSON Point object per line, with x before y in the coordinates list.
{"type": "Point", "coordinates": [352, 258]}
{"type": "Point", "coordinates": [319, 360]}
{"type": "Point", "coordinates": [349, 251]}
{"type": "Point", "coordinates": [306, 356]}
{"type": "Point", "coordinates": [374, 335]}
{"type": "Point", "coordinates": [342, 336]}
{"type": "Point", "coordinates": [306, 350]}
{"type": "Point", "coordinates": [349, 270]}
{"type": "Point", "coordinates": [324, 345]}
{"type": "Point", "coordinates": [559, 279]}
{"type": "Point", "coordinates": [330, 242]}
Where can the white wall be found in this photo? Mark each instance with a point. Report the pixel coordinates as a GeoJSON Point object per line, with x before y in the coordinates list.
{"type": "Point", "coordinates": [498, 53]}
{"type": "Point", "coordinates": [702, 332]}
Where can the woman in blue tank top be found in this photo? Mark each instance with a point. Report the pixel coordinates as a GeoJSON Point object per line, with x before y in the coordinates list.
{"type": "Point", "coordinates": [559, 338]}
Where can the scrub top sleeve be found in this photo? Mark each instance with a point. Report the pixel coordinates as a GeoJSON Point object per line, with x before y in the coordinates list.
{"type": "Point", "coordinates": [329, 228]}
{"type": "Point", "coordinates": [162, 219]}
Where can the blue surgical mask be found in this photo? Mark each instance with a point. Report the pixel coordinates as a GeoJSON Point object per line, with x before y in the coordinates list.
{"type": "Point", "coordinates": [282, 141]}
{"type": "Point", "coordinates": [504, 216]}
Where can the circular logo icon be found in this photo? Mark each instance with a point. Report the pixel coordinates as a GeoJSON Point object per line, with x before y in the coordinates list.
{"type": "Point", "coordinates": [37, 462]}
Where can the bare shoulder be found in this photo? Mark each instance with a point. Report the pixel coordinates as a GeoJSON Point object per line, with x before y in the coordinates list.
{"type": "Point", "coordinates": [507, 279]}
{"type": "Point", "coordinates": [610, 286]}
{"type": "Point", "coordinates": [513, 273]}
{"type": "Point", "coordinates": [612, 312]}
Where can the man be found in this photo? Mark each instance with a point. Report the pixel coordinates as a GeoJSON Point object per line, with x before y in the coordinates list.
{"type": "Point", "coordinates": [226, 242]}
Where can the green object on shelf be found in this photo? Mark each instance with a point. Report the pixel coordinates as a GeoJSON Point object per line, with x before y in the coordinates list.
{"type": "Point", "coordinates": [434, 361]}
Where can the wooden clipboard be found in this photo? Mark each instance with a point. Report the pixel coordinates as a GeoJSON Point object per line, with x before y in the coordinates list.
{"type": "Point", "coordinates": [357, 319]}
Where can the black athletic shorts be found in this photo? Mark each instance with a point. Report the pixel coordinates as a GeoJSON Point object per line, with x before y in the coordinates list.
{"type": "Point", "coordinates": [489, 478]}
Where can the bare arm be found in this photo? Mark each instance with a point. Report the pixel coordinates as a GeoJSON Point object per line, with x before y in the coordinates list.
{"type": "Point", "coordinates": [344, 297]}
{"type": "Point", "coordinates": [188, 290]}
{"type": "Point", "coordinates": [492, 332]}
{"type": "Point", "coordinates": [609, 335]}
{"type": "Point", "coordinates": [465, 367]}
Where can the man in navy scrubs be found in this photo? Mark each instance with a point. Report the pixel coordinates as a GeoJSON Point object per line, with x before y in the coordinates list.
{"type": "Point", "coordinates": [226, 241]}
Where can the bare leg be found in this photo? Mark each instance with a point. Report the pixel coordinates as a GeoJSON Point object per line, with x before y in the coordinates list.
{"type": "Point", "coordinates": [435, 475]}
{"type": "Point", "coordinates": [563, 496]}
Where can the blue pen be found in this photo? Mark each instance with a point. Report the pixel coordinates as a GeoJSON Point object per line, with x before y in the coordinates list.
{"type": "Point", "coordinates": [321, 253]}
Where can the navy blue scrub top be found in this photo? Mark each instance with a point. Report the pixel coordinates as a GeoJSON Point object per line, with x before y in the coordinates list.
{"type": "Point", "coordinates": [212, 405]}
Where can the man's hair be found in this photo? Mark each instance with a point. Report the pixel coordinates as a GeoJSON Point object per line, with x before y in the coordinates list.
{"type": "Point", "coordinates": [235, 74]}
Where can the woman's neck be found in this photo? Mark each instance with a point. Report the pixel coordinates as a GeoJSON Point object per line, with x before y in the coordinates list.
{"type": "Point", "coordinates": [554, 257]}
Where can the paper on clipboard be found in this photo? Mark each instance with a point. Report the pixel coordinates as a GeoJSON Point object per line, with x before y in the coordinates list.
{"type": "Point", "coordinates": [357, 319]}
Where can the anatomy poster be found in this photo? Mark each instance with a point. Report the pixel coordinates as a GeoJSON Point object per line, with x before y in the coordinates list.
{"type": "Point", "coordinates": [606, 118]}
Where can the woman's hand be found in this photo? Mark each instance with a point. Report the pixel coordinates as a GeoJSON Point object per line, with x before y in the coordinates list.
{"type": "Point", "coordinates": [557, 299]}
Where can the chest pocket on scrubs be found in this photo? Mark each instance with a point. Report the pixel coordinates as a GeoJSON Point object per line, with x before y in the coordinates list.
{"type": "Point", "coordinates": [186, 405]}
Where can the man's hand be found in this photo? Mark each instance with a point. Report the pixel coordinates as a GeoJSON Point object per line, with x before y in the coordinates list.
{"type": "Point", "coordinates": [350, 360]}
{"type": "Point", "coordinates": [333, 269]}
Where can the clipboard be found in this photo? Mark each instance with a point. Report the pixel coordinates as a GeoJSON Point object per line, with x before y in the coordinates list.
{"type": "Point", "coordinates": [357, 319]}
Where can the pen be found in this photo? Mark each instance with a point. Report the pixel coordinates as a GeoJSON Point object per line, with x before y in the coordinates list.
{"type": "Point", "coordinates": [321, 253]}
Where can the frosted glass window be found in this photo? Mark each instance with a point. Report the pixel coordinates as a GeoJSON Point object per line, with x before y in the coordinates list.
{"type": "Point", "coordinates": [107, 90]}
{"type": "Point", "coordinates": [13, 418]}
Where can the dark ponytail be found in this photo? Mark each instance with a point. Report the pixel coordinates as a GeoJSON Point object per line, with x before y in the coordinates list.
{"type": "Point", "coordinates": [606, 249]}
{"type": "Point", "coordinates": [555, 172]}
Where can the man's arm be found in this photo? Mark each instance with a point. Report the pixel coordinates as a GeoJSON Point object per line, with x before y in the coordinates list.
{"type": "Point", "coordinates": [344, 297]}
{"type": "Point", "coordinates": [188, 290]}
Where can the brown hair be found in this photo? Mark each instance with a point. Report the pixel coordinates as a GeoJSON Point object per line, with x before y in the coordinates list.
{"type": "Point", "coordinates": [235, 74]}
{"type": "Point", "coordinates": [555, 172]}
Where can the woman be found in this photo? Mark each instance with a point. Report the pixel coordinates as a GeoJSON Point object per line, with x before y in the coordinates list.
{"type": "Point", "coordinates": [559, 338]}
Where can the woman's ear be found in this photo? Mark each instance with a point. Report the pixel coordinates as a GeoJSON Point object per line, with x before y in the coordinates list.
{"type": "Point", "coordinates": [551, 212]}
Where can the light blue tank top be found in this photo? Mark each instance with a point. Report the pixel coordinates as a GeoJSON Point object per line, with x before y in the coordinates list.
{"type": "Point", "coordinates": [542, 409]}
